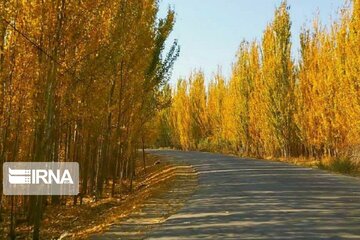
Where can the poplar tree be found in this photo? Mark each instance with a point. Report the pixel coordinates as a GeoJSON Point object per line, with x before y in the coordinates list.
{"type": "Point", "coordinates": [278, 75]}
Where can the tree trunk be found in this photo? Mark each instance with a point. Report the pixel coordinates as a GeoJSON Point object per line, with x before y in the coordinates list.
{"type": "Point", "coordinates": [38, 215]}
{"type": "Point", "coordinates": [143, 153]}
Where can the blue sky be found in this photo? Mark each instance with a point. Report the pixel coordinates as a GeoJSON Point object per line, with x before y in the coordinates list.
{"type": "Point", "coordinates": [210, 31]}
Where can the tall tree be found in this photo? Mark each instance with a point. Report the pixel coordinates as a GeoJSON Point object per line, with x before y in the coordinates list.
{"type": "Point", "coordinates": [279, 78]}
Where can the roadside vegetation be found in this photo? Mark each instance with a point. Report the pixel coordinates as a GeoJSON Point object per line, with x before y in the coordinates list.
{"type": "Point", "coordinates": [273, 106]}
{"type": "Point", "coordinates": [79, 82]}
{"type": "Point", "coordinates": [341, 165]}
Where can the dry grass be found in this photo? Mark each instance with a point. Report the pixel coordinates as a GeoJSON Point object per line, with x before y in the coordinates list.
{"type": "Point", "coordinates": [342, 165]}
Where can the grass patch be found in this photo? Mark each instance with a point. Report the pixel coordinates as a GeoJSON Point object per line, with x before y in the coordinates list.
{"type": "Point", "coordinates": [341, 165]}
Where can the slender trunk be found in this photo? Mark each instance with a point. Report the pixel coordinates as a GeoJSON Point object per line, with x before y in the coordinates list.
{"type": "Point", "coordinates": [114, 179]}
{"type": "Point", "coordinates": [119, 158]}
{"type": "Point", "coordinates": [55, 200]}
{"type": "Point", "coordinates": [49, 95]}
{"type": "Point", "coordinates": [12, 234]}
{"type": "Point", "coordinates": [131, 172]}
{"type": "Point", "coordinates": [38, 215]}
{"type": "Point", "coordinates": [143, 152]}
{"type": "Point", "coordinates": [85, 167]}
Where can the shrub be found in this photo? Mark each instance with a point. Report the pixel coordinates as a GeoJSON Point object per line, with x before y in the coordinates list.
{"type": "Point", "coordinates": [341, 165]}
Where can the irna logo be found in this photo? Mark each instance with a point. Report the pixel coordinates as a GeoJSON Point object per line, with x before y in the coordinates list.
{"type": "Point", "coordinates": [38, 176]}
{"type": "Point", "coordinates": [41, 178]}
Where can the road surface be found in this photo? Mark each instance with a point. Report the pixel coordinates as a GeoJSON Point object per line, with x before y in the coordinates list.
{"type": "Point", "coordinates": [241, 198]}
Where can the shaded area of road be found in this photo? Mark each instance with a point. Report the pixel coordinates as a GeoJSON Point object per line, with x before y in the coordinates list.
{"type": "Point", "coordinates": [177, 185]}
{"type": "Point", "coordinates": [254, 199]}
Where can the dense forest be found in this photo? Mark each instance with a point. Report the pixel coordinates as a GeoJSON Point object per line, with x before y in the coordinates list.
{"type": "Point", "coordinates": [79, 82]}
{"type": "Point", "coordinates": [274, 105]}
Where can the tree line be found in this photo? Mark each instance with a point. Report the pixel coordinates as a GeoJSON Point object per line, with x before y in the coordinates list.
{"type": "Point", "coordinates": [79, 82]}
{"type": "Point", "coordinates": [272, 105]}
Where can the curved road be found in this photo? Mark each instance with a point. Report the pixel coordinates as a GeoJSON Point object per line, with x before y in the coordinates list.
{"type": "Point", "coordinates": [242, 198]}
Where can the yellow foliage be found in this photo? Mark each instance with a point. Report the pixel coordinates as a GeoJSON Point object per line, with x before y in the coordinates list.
{"type": "Point", "coordinates": [271, 106]}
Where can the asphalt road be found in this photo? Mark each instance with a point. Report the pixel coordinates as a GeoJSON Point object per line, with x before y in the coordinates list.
{"type": "Point", "coordinates": [241, 198]}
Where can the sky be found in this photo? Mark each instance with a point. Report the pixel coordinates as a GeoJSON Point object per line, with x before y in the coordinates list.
{"type": "Point", "coordinates": [210, 31]}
